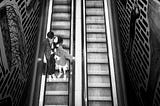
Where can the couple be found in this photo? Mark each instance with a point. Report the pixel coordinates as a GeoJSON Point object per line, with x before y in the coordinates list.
{"type": "Point", "coordinates": [55, 55]}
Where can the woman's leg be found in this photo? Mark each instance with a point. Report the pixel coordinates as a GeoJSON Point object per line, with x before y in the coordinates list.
{"type": "Point", "coordinates": [64, 70]}
{"type": "Point", "coordinates": [60, 71]}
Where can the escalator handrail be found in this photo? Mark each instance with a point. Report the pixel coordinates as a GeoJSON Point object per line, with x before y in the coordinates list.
{"type": "Point", "coordinates": [35, 94]}
{"type": "Point", "coordinates": [49, 14]}
{"type": "Point", "coordinates": [110, 37]}
{"type": "Point", "coordinates": [72, 52]}
{"type": "Point", "coordinates": [84, 59]}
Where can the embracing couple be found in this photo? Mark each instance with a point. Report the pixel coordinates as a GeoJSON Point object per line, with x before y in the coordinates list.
{"type": "Point", "coordinates": [55, 56]}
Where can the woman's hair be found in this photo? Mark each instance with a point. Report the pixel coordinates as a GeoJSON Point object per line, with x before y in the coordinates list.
{"type": "Point", "coordinates": [50, 34]}
{"type": "Point", "coordinates": [59, 41]}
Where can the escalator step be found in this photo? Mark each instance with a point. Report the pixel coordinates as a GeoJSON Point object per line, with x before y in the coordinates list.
{"type": "Point", "coordinates": [61, 93]}
{"type": "Point", "coordinates": [95, 19]}
{"type": "Point", "coordinates": [61, 16]}
{"type": "Point", "coordinates": [94, 12]}
{"type": "Point", "coordinates": [98, 72]}
{"type": "Point", "coordinates": [61, 25]}
{"type": "Point", "coordinates": [96, 40]}
{"type": "Point", "coordinates": [96, 28]}
{"type": "Point", "coordinates": [94, 4]}
{"type": "Point", "coordinates": [64, 2]}
{"type": "Point", "coordinates": [57, 86]}
{"type": "Point", "coordinates": [98, 85]}
{"type": "Point", "coordinates": [97, 98]}
{"type": "Point", "coordinates": [100, 67]}
{"type": "Point", "coordinates": [99, 92]}
{"type": "Point", "coordinates": [95, 32]}
{"type": "Point", "coordinates": [92, 50]}
{"type": "Point", "coordinates": [61, 9]}
{"type": "Point", "coordinates": [100, 103]}
{"type": "Point", "coordinates": [97, 36]}
{"type": "Point", "coordinates": [56, 100]}
{"type": "Point", "coordinates": [97, 58]}
{"type": "Point", "coordinates": [59, 80]}
{"type": "Point", "coordinates": [96, 47]}
{"type": "Point", "coordinates": [98, 79]}
{"type": "Point", "coordinates": [100, 61]}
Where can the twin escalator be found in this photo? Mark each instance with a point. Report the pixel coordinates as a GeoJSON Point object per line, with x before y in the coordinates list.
{"type": "Point", "coordinates": [98, 79]}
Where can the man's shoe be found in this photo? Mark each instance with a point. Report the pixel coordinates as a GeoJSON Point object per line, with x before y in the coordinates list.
{"type": "Point", "coordinates": [53, 76]}
{"type": "Point", "coordinates": [49, 79]}
{"type": "Point", "coordinates": [65, 77]}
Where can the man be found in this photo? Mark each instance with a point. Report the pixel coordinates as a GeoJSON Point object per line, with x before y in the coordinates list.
{"type": "Point", "coordinates": [47, 49]}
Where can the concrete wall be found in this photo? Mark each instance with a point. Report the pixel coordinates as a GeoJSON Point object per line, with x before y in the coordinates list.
{"type": "Point", "coordinates": [140, 43]}
{"type": "Point", "coordinates": [19, 23]}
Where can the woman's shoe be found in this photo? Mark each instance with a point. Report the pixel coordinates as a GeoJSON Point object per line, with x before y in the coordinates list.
{"type": "Point", "coordinates": [60, 74]}
{"type": "Point", "coordinates": [65, 77]}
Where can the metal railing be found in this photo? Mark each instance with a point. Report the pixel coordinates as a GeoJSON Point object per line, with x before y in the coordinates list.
{"type": "Point", "coordinates": [44, 75]}
{"type": "Point", "coordinates": [84, 59]}
{"type": "Point", "coordinates": [72, 52]}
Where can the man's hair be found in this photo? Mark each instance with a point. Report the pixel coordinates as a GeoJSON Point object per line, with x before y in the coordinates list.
{"type": "Point", "coordinates": [50, 34]}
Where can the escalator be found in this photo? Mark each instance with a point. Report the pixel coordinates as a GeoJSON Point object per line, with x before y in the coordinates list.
{"type": "Point", "coordinates": [57, 90]}
{"type": "Point", "coordinates": [97, 60]}
{"type": "Point", "coordinates": [97, 82]}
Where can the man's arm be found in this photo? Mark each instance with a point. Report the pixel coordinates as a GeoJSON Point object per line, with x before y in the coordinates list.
{"type": "Point", "coordinates": [42, 49]}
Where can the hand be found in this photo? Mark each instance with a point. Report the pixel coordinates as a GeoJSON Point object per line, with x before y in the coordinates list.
{"type": "Point", "coordinates": [39, 59]}
{"type": "Point", "coordinates": [52, 52]}
{"type": "Point", "coordinates": [55, 50]}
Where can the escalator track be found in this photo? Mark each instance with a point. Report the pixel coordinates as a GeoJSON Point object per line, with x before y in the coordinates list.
{"type": "Point", "coordinates": [97, 62]}
{"type": "Point", "coordinates": [57, 90]}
